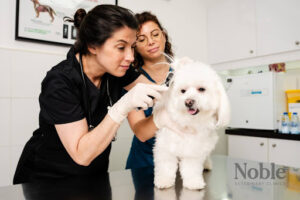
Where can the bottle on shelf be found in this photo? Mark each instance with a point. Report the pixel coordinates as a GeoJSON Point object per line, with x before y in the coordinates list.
{"type": "Point", "coordinates": [285, 123]}
{"type": "Point", "coordinates": [294, 124]}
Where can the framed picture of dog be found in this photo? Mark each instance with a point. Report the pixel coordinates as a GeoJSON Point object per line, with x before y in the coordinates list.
{"type": "Point", "coordinates": [43, 20]}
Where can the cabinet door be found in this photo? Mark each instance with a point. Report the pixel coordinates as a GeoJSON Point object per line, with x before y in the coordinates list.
{"type": "Point", "coordinates": [284, 152]}
{"type": "Point", "coordinates": [249, 148]}
{"type": "Point", "coordinates": [278, 27]}
{"type": "Point", "coordinates": [231, 30]}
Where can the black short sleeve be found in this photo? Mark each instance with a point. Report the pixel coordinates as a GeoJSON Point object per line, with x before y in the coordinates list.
{"type": "Point", "coordinates": [60, 99]}
{"type": "Point", "coordinates": [130, 76]}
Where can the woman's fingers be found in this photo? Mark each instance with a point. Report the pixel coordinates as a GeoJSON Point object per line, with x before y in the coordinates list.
{"type": "Point", "coordinates": [148, 93]}
{"type": "Point", "coordinates": [156, 90]}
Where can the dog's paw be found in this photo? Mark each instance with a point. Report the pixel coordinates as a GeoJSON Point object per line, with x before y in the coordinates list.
{"type": "Point", "coordinates": [162, 182]}
{"type": "Point", "coordinates": [208, 164]}
{"type": "Point", "coordinates": [194, 183]}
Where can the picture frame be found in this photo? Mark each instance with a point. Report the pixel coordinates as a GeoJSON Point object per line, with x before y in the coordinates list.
{"type": "Point", "coordinates": [42, 20]}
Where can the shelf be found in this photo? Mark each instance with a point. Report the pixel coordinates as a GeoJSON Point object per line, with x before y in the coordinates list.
{"type": "Point", "coordinates": [262, 133]}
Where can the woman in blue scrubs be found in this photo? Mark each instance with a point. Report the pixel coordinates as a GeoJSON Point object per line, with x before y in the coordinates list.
{"type": "Point", "coordinates": [152, 41]}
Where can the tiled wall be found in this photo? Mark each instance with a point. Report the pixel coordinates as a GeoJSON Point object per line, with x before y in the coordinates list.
{"type": "Point", "coordinates": [21, 73]}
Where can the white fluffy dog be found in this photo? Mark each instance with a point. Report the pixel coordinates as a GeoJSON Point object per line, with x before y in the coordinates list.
{"type": "Point", "coordinates": [197, 103]}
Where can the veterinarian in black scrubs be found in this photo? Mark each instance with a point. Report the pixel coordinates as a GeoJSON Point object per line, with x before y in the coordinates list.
{"type": "Point", "coordinates": [76, 127]}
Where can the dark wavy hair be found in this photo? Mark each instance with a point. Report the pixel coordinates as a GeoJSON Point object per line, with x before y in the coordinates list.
{"type": "Point", "coordinates": [99, 24]}
{"type": "Point", "coordinates": [143, 18]}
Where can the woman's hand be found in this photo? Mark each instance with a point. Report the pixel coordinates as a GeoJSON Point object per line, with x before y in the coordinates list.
{"type": "Point", "coordinates": [140, 96]}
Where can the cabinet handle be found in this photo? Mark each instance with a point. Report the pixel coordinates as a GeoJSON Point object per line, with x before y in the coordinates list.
{"type": "Point", "coordinates": [261, 144]}
{"type": "Point", "coordinates": [273, 145]}
{"type": "Point", "coordinates": [251, 51]}
{"type": "Point", "coordinates": [297, 42]}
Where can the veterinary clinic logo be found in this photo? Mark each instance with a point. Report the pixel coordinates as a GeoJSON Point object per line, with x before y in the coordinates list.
{"type": "Point", "coordinates": [242, 171]}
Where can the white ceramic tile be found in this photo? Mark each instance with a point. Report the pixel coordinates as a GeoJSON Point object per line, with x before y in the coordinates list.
{"type": "Point", "coordinates": [5, 73]}
{"type": "Point", "coordinates": [4, 166]}
{"type": "Point", "coordinates": [28, 71]}
{"type": "Point", "coordinates": [25, 113]}
{"type": "Point", "coordinates": [15, 153]}
{"type": "Point", "coordinates": [5, 117]}
{"type": "Point", "coordinates": [119, 153]}
{"type": "Point", "coordinates": [125, 131]}
{"type": "Point", "coordinates": [7, 22]}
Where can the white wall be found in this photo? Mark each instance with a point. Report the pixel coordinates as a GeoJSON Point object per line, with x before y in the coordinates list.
{"type": "Point", "coordinates": [185, 22]}
{"type": "Point", "coordinates": [23, 66]}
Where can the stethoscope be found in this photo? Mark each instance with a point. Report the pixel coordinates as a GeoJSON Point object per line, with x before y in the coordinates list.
{"type": "Point", "coordinates": [86, 99]}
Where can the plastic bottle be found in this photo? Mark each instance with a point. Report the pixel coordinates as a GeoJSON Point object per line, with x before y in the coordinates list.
{"type": "Point", "coordinates": [294, 124]}
{"type": "Point", "coordinates": [285, 123]}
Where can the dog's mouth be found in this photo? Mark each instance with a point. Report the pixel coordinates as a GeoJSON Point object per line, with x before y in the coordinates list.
{"type": "Point", "coordinates": [193, 111]}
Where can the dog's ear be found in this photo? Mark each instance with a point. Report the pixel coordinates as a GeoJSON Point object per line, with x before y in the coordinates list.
{"type": "Point", "coordinates": [178, 63]}
{"type": "Point", "coordinates": [223, 111]}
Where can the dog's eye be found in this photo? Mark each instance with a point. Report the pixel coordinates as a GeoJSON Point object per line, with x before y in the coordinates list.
{"type": "Point", "coordinates": [201, 89]}
{"type": "Point", "coordinates": [182, 91]}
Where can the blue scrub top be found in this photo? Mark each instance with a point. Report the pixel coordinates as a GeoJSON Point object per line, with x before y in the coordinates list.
{"type": "Point", "coordinates": [141, 154]}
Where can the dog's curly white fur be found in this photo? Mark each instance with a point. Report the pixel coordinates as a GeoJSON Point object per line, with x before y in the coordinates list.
{"type": "Point", "coordinates": [197, 102]}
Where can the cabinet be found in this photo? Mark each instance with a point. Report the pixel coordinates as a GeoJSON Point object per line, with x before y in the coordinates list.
{"type": "Point", "coordinates": [249, 148]}
{"type": "Point", "coordinates": [279, 151]}
{"type": "Point", "coordinates": [278, 27]}
{"type": "Point", "coordinates": [284, 152]}
{"type": "Point", "coordinates": [239, 29]}
{"type": "Point", "coordinates": [231, 30]}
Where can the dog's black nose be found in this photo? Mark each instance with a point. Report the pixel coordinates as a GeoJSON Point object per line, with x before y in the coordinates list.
{"type": "Point", "coordinates": [189, 103]}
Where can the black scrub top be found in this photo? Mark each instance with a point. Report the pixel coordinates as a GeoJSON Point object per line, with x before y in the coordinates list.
{"type": "Point", "coordinates": [61, 101]}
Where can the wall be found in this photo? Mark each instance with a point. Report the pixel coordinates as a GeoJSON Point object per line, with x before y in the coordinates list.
{"type": "Point", "coordinates": [185, 22]}
{"type": "Point", "coordinates": [23, 66]}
